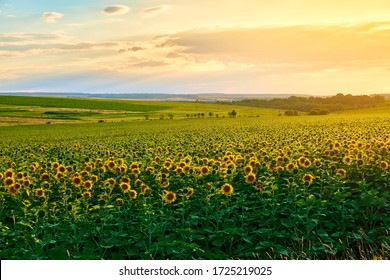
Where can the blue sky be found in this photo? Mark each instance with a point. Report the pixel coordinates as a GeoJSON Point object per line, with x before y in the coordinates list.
{"type": "Point", "coordinates": [249, 46]}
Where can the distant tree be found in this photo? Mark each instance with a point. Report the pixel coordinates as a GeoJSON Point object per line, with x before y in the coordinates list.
{"type": "Point", "coordinates": [161, 116]}
{"type": "Point", "coordinates": [188, 115]}
{"type": "Point", "coordinates": [210, 114]}
{"type": "Point", "coordinates": [232, 114]}
{"type": "Point", "coordinates": [291, 113]}
{"type": "Point", "coordinates": [202, 114]}
{"type": "Point", "coordinates": [318, 111]}
{"type": "Point", "coordinates": [170, 116]}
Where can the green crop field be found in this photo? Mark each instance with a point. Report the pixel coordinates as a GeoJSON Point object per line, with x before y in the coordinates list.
{"type": "Point", "coordinates": [257, 186]}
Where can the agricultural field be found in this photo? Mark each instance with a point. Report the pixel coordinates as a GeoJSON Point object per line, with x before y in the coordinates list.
{"type": "Point", "coordinates": [266, 187]}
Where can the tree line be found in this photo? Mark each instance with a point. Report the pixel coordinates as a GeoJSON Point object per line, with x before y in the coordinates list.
{"type": "Point", "coordinates": [306, 104]}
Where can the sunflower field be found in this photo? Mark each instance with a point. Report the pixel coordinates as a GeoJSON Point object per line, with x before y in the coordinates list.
{"type": "Point", "coordinates": [234, 188]}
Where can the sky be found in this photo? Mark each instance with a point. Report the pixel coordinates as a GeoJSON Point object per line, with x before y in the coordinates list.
{"type": "Point", "coordinates": [195, 46]}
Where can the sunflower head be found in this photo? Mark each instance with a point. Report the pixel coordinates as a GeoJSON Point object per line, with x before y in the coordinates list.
{"type": "Point", "coordinates": [125, 187]}
{"type": "Point", "coordinates": [308, 178]}
{"type": "Point", "coordinates": [88, 184]}
{"type": "Point", "coordinates": [190, 191]}
{"type": "Point", "coordinates": [248, 169]}
{"type": "Point", "coordinates": [250, 178]}
{"type": "Point", "coordinates": [9, 181]}
{"type": "Point", "coordinates": [227, 189]}
{"type": "Point", "coordinates": [39, 192]}
{"type": "Point", "coordinates": [342, 173]}
{"type": "Point", "coordinates": [86, 194]}
{"type": "Point", "coordinates": [77, 181]}
{"type": "Point", "coordinates": [133, 194]}
{"type": "Point", "coordinates": [383, 165]}
{"type": "Point", "coordinates": [169, 197]}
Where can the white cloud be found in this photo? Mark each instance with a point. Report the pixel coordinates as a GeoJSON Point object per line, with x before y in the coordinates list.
{"type": "Point", "coordinates": [52, 17]}
{"type": "Point", "coordinates": [116, 10]}
{"type": "Point", "coordinates": [155, 10]}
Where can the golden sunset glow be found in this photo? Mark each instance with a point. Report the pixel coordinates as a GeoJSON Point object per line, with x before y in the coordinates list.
{"type": "Point", "coordinates": [250, 46]}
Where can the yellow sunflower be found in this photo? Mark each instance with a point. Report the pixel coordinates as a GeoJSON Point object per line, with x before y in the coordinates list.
{"type": "Point", "coordinates": [133, 194]}
{"type": "Point", "coordinates": [383, 165]}
{"type": "Point", "coordinates": [88, 184]}
{"type": "Point", "coordinates": [190, 191]}
{"type": "Point", "coordinates": [39, 192]}
{"type": "Point", "coordinates": [125, 187]}
{"type": "Point", "coordinates": [250, 178]}
{"type": "Point", "coordinates": [342, 173]}
{"type": "Point", "coordinates": [308, 178]}
{"type": "Point", "coordinates": [227, 189]}
{"type": "Point", "coordinates": [169, 197]}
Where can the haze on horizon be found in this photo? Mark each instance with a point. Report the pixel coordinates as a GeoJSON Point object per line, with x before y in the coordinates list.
{"type": "Point", "coordinates": [249, 46]}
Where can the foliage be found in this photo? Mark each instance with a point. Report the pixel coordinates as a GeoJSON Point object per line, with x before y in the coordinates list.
{"type": "Point", "coordinates": [305, 104]}
{"type": "Point", "coordinates": [291, 113]}
{"type": "Point", "coordinates": [318, 111]}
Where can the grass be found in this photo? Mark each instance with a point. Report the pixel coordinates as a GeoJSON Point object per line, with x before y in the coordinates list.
{"type": "Point", "coordinates": [20, 110]}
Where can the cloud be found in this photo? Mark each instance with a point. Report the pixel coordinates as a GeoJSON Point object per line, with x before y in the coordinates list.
{"type": "Point", "coordinates": [301, 47]}
{"type": "Point", "coordinates": [52, 17]}
{"type": "Point", "coordinates": [155, 10]}
{"type": "Point", "coordinates": [116, 10]}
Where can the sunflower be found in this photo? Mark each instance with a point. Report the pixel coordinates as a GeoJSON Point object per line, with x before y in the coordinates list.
{"type": "Point", "coordinates": [111, 182]}
{"type": "Point", "coordinates": [146, 189]}
{"type": "Point", "coordinates": [1, 176]}
{"type": "Point", "coordinates": [125, 187]}
{"type": "Point", "coordinates": [86, 194]}
{"type": "Point", "coordinates": [39, 193]}
{"type": "Point", "coordinates": [133, 194]}
{"type": "Point", "coordinates": [61, 169]}
{"type": "Point", "coordinates": [88, 184]}
{"type": "Point", "coordinates": [347, 160]}
{"type": "Point", "coordinates": [302, 161]}
{"type": "Point", "coordinates": [258, 187]}
{"type": "Point", "coordinates": [119, 201]}
{"type": "Point", "coordinates": [248, 169]}
{"type": "Point", "coordinates": [125, 180]}
{"type": "Point", "coordinates": [150, 169]}
{"type": "Point", "coordinates": [76, 181]}
{"type": "Point", "coordinates": [9, 181]}
{"type": "Point", "coordinates": [111, 164]}
{"type": "Point", "coordinates": [290, 166]}
{"type": "Point", "coordinates": [19, 176]}
{"type": "Point", "coordinates": [227, 189]}
{"type": "Point", "coordinates": [13, 190]}
{"type": "Point", "coordinates": [136, 171]}
{"type": "Point", "coordinates": [204, 170]}
{"type": "Point", "coordinates": [308, 178]}
{"type": "Point", "coordinates": [26, 183]}
{"type": "Point", "coordinates": [179, 170]}
{"type": "Point", "coordinates": [134, 165]}
{"type": "Point", "coordinates": [307, 163]}
{"type": "Point", "coordinates": [169, 197]}
{"type": "Point", "coordinates": [94, 178]}
{"type": "Point", "coordinates": [164, 183]}
{"type": "Point", "coordinates": [250, 178]}
{"type": "Point", "coordinates": [342, 173]}
{"type": "Point", "coordinates": [9, 173]}
{"type": "Point", "coordinates": [383, 165]}
{"type": "Point", "coordinates": [190, 191]}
